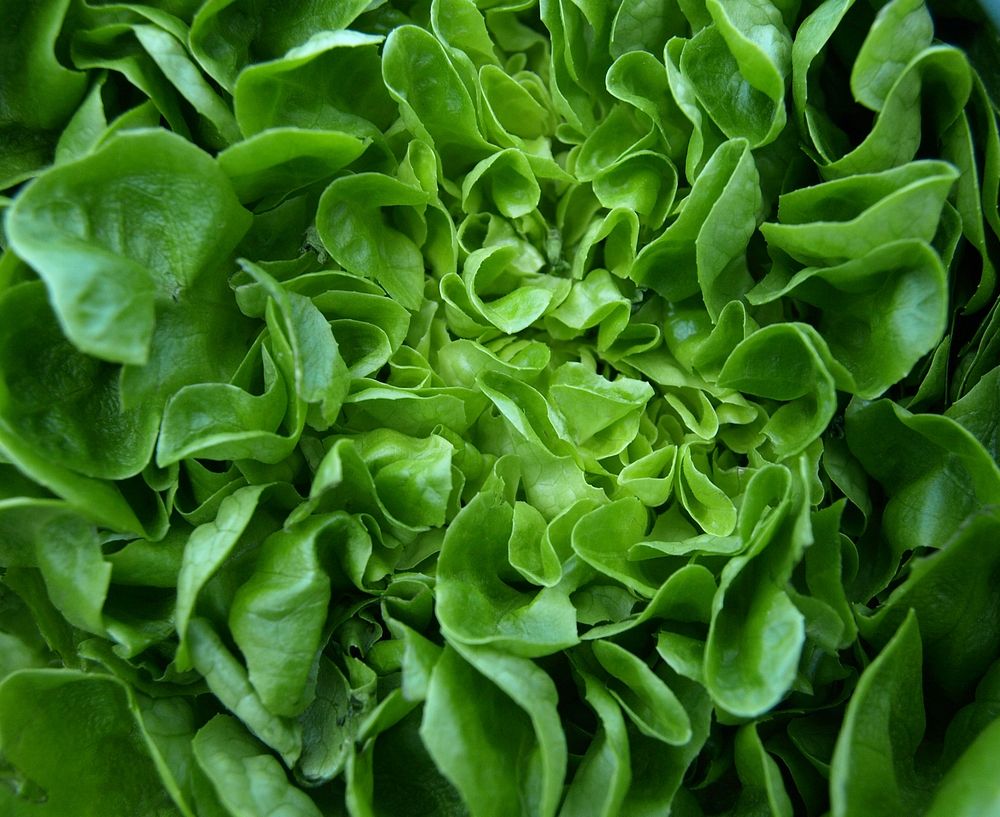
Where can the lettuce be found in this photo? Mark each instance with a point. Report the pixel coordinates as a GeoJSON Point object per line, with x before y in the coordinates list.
{"type": "Point", "coordinates": [498, 408]}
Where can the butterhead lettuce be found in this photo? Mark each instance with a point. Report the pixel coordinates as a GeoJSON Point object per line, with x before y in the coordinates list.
{"type": "Point", "coordinates": [499, 408]}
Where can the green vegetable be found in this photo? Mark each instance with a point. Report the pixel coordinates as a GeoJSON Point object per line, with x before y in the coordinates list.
{"type": "Point", "coordinates": [499, 408]}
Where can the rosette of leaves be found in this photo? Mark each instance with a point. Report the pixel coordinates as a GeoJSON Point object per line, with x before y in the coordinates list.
{"type": "Point", "coordinates": [499, 407]}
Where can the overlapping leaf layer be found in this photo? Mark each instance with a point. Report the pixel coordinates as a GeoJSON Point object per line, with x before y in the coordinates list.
{"type": "Point", "coordinates": [499, 408]}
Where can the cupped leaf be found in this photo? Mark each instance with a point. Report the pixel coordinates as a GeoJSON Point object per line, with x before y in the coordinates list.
{"type": "Point", "coordinates": [757, 634]}
{"type": "Point", "coordinates": [848, 218]}
{"type": "Point", "coordinates": [959, 640]}
{"type": "Point", "coordinates": [333, 720]}
{"type": "Point", "coordinates": [433, 101]}
{"type": "Point", "coordinates": [900, 31]}
{"type": "Point", "coordinates": [595, 301]}
{"type": "Point", "coordinates": [704, 250]}
{"type": "Point", "coordinates": [939, 73]}
{"type": "Point", "coordinates": [515, 103]}
{"type": "Point", "coordinates": [354, 223]}
{"type": "Point", "coordinates": [509, 301]}
{"type": "Point", "coordinates": [704, 501]}
{"type": "Point", "coordinates": [935, 473]}
{"type": "Point", "coordinates": [227, 679]}
{"type": "Point", "coordinates": [782, 362]}
{"type": "Point", "coordinates": [760, 775]}
{"type": "Point", "coordinates": [645, 182]}
{"type": "Point", "coordinates": [405, 481]}
{"type": "Point", "coordinates": [969, 788]}
{"type": "Point", "coordinates": [223, 421]}
{"type": "Point", "coordinates": [639, 79]}
{"type": "Point", "coordinates": [305, 349]}
{"type": "Point", "coordinates": [601, 415]}
{"type": "Point", "coordinates": [738, 67]}
{"type": "Point", "coordinates": [484, 607]}
{"type": "Point", "coordinates": [602, 539]}
{"type": "Point", "coordinates": [277, 615]}
{"type": "Point", "coordinates": [165, 43]}
{"type": "Point", "coordinates": [893, 300]}
{"type": "Point", "coordinates": [206, 550]}
{"type": "Point", "coordinates": [604, 775]}
{"type": "Point", "coordinates": [65, 404]}
{"type": "Point", "coordinates": [491, 725]}
{"type": "Point", "coordinates": [330, 81]}
{"type": "Point", "coordinates": [505, 179]}
{"type": "Point", "coordinates": [122, 230]}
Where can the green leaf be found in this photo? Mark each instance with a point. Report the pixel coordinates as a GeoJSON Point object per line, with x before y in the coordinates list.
{"type": "Point", "coordinates": [970, 787]}
{"type": "Point", "coordinates": [118, 232]}
{"type": "Point", "coordinates": [601, 415]}
{"type": "Point", "coordinates": [705, 247]}
{"type": "Point", "coordinates": [873, 763]}
{"type": "Point", "coordinates": [649, 702]}
{"type": "Point", "coordinates": [737, 67]}
{"type": "Point", "coordinates": [901, 30]}
{"type": "Point", "coordinates": [50, 747]}
{"type": "Point", "coordinates": [475, 604]}
{"type": "Point", "coordinates": [65, 404]}
{"type": "Point", "coordinates": [226, 35]}
{"type": "Point", "coordinates": [959, 640]}
{"type": "Point", "coordinates": [940, 72]}
{"type": "Point", "coordinates": [848, 218]}
{"type": "Point", "coordinates": [785, 362]}
{"type": "Point", "coordinates": [602, 537]}
{"type": "Point", "coordinates": [760, 775]}
{"type": "Point", "coordinates": [355, 225]}
{"type": "Point", "coordinates": [277, 616]}
{"type": "Point", "coordinates": [706, 503]}
{"type": "Point", "coordinates": [433, 101]}
{"type": "Point", "coordinates": [305, 349]}
{"type": "Point", "coordinates": [207, 549]}
{"type": "Point", "coordinates": [756, 634]}
{"type": "Point", "coordinates": [65, 547]}
{"type": "Point", "coordinates": [641, 26]}
{"type": "Point", "coordinates": [639, 79]}
{"type": "Point", "coordinates": [404, 480]}
{"type": "Point", "coordinates": [599, 787]}
{"type": "Point", "coordinates": [228, 681]}
{"type": "Point", "coordinates": [328, 81]}
{"type": "Point", "coordinates": [491, 726]}
{"type": "Point", "coordinates": [281, 160]}
{"type": "Point", "coordinates": [507, 180]}
{"type": "Point", "coordinates": [38, 94]}
{"type": "Point", "coordinates": [894, 300]}
{"type": "Point", "coordinates": [331, 723]}
{"type": "Point", "coordinates": [935, 473]}
{"type": "Point", "coordinates": [976, 412]}
{"type": "Point", "coordinates": [222, 421]}
{"type": "Point", "coordinates": [168, 51]}
{"type": "Point", "coordinates": [245, 777]}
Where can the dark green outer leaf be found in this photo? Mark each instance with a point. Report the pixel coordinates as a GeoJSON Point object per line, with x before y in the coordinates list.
{"type": "Point", "coordinates": [37, 93]}
{"type": "Point", "coordinates": [119, 230]}
{"type": "Point", "coordinates": [960, 638]}
{"type": "Point", "coordinates": [872, 770]}
{"type": "Point", "coordinates": [73, 764]}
